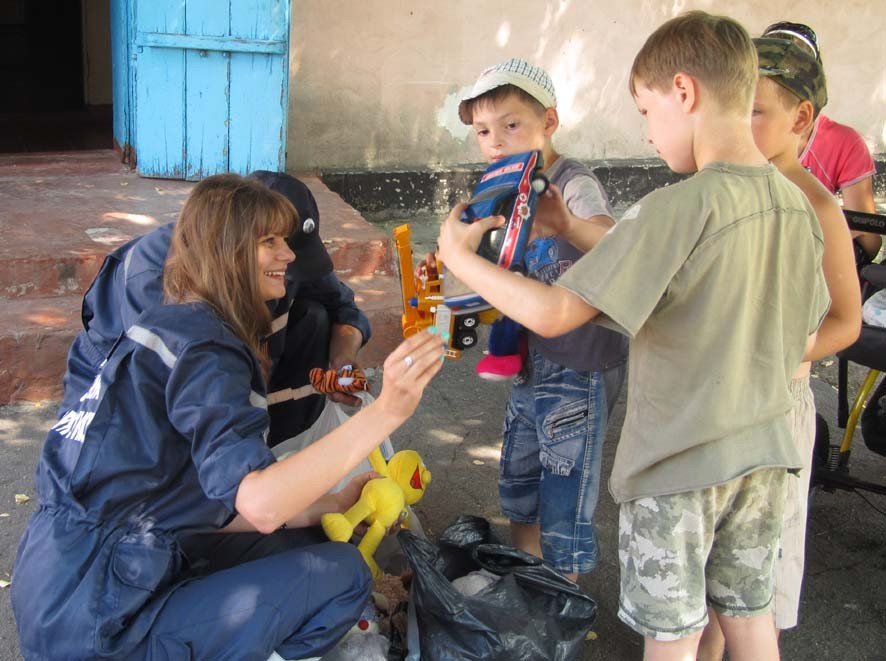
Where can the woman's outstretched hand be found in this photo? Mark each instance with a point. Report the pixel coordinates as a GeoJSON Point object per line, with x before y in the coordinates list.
{"type": "Point", "coordinates": [407, 371]}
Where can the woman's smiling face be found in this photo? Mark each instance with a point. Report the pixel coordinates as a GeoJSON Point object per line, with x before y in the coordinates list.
{"type": "Point", "coordinates": [273, 256]}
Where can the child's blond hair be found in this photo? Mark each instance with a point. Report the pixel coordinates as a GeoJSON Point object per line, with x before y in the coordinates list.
{"type": "Point", "coordinates": [716, 50]}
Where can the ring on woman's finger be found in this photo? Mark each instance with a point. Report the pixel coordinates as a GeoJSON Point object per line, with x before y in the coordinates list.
{"type": "Point", "coordinates": [408, 360]}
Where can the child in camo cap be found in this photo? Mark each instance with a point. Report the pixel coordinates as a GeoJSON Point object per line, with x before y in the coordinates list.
{"type": "Point", "coordinates": [835, 153]}
{"type": "Point", "coordinates": [794, 69]}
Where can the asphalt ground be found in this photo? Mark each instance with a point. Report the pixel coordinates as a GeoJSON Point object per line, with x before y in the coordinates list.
{"type": "Point", "coordinates": [457, 431]}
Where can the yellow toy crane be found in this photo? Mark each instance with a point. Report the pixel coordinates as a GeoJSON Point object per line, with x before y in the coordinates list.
{"type": "Point", "coordinates": [423, 302]}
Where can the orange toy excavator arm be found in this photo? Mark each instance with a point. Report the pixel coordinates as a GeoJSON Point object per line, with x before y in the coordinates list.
{"type": "Point", "coordinates": [403, 241]}
{"type": "Point", "coordinates": [422, 301]}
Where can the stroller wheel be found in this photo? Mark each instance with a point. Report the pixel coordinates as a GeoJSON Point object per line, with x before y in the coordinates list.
{"type": "Point", "coordinates": [822, 442]}
{"type": "Point", "coordinates": [821, 455]}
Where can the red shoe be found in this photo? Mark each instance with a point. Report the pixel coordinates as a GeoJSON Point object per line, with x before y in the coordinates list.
{"type": "Point", "coordinates": [499, 368]}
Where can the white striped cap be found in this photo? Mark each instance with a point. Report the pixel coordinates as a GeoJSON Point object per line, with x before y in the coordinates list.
{"type": "Point", "coordinates": [535, 81]}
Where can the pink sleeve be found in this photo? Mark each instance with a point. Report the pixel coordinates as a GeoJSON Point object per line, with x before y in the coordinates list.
{"type": "Point", "coordinates": [854, 162]}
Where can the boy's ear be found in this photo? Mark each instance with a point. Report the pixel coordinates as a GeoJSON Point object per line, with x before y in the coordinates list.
{"type": "Point", "coordinates": [803, 117]}
{"type": "Point", "coordinates": [552, 121]}
{"type": "Point", "coordinates": [686, 89]}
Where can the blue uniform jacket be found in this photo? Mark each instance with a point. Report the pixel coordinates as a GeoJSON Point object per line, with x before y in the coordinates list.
{"type": "Point", "coordinates": [153, 448]}
{"type": "Point", "coordinates": [130, 281]}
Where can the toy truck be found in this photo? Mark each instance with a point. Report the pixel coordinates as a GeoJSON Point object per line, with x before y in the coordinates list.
{"type": "Point", "coordinates": [423, 302]}
{"type": "Point", "coordinates": [509, 187]}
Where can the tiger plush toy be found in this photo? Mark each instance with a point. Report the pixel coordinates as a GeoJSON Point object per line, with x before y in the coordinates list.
{"type": "Point", "coordinates": [348, 380]}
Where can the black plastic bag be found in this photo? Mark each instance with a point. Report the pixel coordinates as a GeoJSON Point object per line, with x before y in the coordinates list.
{"type": "Point", "coordinates": [532, 612]}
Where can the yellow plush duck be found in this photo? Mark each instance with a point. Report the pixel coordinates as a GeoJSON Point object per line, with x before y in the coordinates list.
{"type": "Point", "coordinates": [382, 502]}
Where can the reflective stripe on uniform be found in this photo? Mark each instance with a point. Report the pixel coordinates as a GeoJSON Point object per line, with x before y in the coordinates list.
{"type": "Point", "coordinates": [126, 262]}
{"type": "Point", "coordinates": [279, 323]}
{"type": "Point", "coordinates": [153, 342]}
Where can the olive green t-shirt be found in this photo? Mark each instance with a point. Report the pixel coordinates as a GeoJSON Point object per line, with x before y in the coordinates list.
{"type": "Point", "coordinates": [718, 281]}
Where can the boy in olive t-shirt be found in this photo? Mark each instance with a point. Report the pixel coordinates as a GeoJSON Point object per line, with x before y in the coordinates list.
{"type": "Point", "coordinates": [718, 281]}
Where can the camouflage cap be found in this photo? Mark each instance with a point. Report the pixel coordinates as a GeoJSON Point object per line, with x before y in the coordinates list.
{"type": "Point", "coordinates": [792, 67]}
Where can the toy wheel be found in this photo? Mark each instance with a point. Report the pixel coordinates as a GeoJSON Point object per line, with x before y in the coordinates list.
{"type": "Point", "coordinates": [540, 183]}
{"type": "Point", "coordinates": [470, 321]}
{"type": "Point", "coordinates": [466, 339]}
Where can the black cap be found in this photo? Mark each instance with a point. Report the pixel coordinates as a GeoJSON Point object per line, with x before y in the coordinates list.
{"type": "Point", "coordinates": [802, 35]}
{"type": "Point", "coordinates": [311, 259]}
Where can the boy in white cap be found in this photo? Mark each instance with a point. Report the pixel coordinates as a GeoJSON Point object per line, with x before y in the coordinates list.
{"type": "Point", "coordinates": [560, 403]}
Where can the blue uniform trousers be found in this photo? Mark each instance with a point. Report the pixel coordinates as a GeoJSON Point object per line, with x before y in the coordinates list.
{"type": "Point", "coordinates": [255, 594]}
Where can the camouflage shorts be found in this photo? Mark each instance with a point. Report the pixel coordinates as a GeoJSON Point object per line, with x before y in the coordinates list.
{"type": "Point", "coordinates": [714, 546]}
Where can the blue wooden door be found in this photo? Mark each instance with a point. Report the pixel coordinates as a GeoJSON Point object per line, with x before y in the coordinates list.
{"type": "Point", "coordinates": [123, 78]}
{"type": "Point", "coordinates": [211, 86]}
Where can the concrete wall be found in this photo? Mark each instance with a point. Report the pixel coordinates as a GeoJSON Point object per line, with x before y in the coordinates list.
{"type": "Point", "coordinates": [375, 83]}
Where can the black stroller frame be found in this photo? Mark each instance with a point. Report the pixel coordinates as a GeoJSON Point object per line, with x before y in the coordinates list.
{"type": "Point", "coordinates": [831, 466]}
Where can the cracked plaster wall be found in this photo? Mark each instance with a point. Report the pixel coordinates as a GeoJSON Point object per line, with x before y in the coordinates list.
{"type": "Point", "coordinates": [375, 83]}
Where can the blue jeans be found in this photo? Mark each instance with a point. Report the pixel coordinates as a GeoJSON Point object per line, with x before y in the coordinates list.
{"type": "Point", "coordinates": [553, 437]}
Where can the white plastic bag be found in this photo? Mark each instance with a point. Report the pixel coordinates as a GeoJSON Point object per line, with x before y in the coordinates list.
{"type": "Point", "coordinates": [474, 582]}
{"type": "Point", "coordinates": [362, 646]}
{"type": "Point", "coordinates": [330, 418]}
{"type": "Point", "coordinates": [873, 312]}
{"type": "Point", "coordinates": [389, 555]}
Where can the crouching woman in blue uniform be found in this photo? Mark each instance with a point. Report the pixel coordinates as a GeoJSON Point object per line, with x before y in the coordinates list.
{"type": "Point", "coordinates": [161, 468]}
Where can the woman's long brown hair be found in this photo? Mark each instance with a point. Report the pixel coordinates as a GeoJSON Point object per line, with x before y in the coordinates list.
{"type": "Point", "coordinates": [212, 256]}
